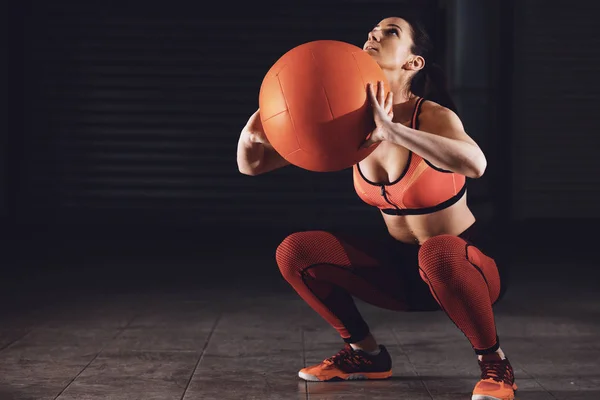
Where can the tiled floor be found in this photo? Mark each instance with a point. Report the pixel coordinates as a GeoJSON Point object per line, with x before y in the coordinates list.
{"type": "Point", "coordinates": [107, 331]}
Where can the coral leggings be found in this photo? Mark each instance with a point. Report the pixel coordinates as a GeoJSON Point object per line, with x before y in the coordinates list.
{"type": "Point", "coordinates": [446, 272]}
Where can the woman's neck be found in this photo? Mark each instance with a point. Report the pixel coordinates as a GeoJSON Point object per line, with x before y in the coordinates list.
{"type": "Point", "coordinates": [400, 87]}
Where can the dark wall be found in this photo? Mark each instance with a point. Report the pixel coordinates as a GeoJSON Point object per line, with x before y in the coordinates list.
{"type": "Point", "coordinates": [471, 44]}
{"type": "Point", "coordinates": [132, 115]}
{"type": "Point", "coordinates": [4, 128]}
{"type": "Point", "coordinates": [555, 141]}
{"type": "Point", "coordinates": [4, 124]}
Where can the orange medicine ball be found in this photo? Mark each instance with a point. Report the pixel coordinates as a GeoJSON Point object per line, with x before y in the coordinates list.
{"type": "Point", "coordinates": [314, 105]}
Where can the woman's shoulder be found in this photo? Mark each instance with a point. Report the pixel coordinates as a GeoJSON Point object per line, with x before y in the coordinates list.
{"type": "Point", "coordinates": [431, 107]}
{"type": "Point", "coordinates": [435, 113]}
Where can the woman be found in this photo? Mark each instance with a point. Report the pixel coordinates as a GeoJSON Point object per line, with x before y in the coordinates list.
{"type": "Point", "coordinates": [430, 258]}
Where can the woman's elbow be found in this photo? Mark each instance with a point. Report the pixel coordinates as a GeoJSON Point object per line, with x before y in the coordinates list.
{"type": "Point", "coordinates": [477, 166]}
{"type": "Point", "coordinates": [247, 170]}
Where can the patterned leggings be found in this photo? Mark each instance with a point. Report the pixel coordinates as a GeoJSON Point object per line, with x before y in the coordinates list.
{"type": "Point", "coordinates": [446, 272]}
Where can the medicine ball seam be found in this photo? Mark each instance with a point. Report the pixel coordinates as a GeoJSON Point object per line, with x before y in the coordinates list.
{"type": "Point", "coordinates": [322, 84]}
{"type": "Point", "coordinates": [289, 112]}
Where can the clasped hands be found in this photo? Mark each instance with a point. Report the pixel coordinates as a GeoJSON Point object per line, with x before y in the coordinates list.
{"type": "Point", "coordinates": [383, 113]}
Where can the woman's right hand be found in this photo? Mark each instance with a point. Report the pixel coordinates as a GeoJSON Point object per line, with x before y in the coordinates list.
{"type": "Point", "coordinates": [253, 131]}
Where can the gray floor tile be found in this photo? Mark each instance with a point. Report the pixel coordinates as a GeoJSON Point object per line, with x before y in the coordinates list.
{"type": "Point", "coordinates": [199, 315]}
{"type": "Point", "coordinates": [580, 386]}
{"type": "Point", "coordinates": [48, 359]}
{"type": "Point", "coordinates": [280, 317]}
{"type": "Point", "coordinates": [530, 389]}
{"type": "Point", "coordinates": [393, 388]}
{"type": "Point", "coordinates": [556, 358]}
{"type": "Point", "coordinates": [250, 344]}
{"type": "Point", "coordinates": [269, 377]}
{"type": "Point", "coordinates": [159, 339]}
{"type": "Point", "coordinates": [152, 340]}
{"type": "Point", "coordinates": [49, 344]}
{"type": "Point", "coordinates": [569, 395]}
{"type": "Point", "coordinates": [10, 336]}
{"type": "Point", "coordinates": [135, 375]}
{"type": "Point", "coordinates": [82, 317]}
{"type": "Point", "coordinates": [251, 364]}
{"type": "Point", "coordinates": [30, 391]}
{"type": "Point", "coordinates": [43, 377]}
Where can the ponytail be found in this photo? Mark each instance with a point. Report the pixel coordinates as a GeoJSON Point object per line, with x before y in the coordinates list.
{"type": "Point", "coordinates": [436, 87]}
{"type": "Point", "coordinates": [430, 82]}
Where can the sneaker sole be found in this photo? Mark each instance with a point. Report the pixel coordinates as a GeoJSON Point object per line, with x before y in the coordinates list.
{"type": "Point", "coordinates": [486, 397]}
{"type": "Point", "coordinates": [346, 377]}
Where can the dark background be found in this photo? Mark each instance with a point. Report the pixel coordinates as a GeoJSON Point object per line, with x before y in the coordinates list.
{"type": "Point", "coordinates": [123, 119]}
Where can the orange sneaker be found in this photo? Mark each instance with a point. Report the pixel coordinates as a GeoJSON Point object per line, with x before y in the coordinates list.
{"type": "Point", "coordinates": [349, 364]}
{"type": "Point", "coordinates": [497, 379]}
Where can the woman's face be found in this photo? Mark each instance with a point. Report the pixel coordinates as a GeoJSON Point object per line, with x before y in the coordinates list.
{"type": "Point", "coordinates": [390, 42]}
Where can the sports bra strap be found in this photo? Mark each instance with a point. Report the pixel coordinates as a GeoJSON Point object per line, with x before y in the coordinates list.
{"type": "Point", "coordinates": [416, 112]}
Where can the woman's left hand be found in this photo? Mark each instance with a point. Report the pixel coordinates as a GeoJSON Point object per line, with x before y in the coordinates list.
{"type": "Point", "coordinates": [383, 112]}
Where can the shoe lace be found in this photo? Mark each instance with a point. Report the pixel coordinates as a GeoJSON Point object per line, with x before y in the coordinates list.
{"type": "Point", "coordinates": [346, 356]}
{"type": "Point", "coordinates": [498, 370]}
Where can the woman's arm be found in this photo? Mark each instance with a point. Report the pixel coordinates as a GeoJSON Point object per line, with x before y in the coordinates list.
{"type": "Point", "coordinates": [441, 140]}
{"type": "Point", "coordinates": [255, 158]}
{"type": "Point", "coordinates": [255, 155]}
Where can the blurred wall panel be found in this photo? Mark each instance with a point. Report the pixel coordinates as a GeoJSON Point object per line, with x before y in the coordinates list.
{"type": "Point", "coordinates": [11, 130]}
{"type": "Point", "coordinates": [469, 50]}
{"type": "Point", "coordinates": [134, 113]}
{"type": "Point", "coordinates": [556, 168]}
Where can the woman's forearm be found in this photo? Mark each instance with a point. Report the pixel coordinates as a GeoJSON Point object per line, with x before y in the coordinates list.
{"type": "Point", "coordinates": [249, 155]}
{"type": "Point", "coordinates": [257, 158]}
{"type": "Point", "coordinates": [446, 153]}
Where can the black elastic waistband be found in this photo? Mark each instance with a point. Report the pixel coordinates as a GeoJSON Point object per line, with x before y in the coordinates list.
{"type": "Point", "coordinates": [427, 210]}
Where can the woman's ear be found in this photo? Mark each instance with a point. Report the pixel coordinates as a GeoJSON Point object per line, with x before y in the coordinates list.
{"type": "Point", "coordinates": [416, 63]}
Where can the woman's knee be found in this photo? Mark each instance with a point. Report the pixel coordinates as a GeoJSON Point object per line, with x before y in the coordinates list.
{"type": "Point", "coordinates": [442, 257]}
{"type": "Point", "coordinates": [300, 250]}
{"type": "Point", "coordinates": [449, 261]}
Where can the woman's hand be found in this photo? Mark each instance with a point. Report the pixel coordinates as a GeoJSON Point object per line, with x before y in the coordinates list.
{"type": "Point", "coordinates": [253, 131]}
{"type": "Point", "coordinates": [255, 155]}
{"type": "Point", "coordinates": [383, 112]}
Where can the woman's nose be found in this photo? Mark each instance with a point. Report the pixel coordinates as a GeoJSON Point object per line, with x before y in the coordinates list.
{"type": "Point", "coordinates": [373, 36]}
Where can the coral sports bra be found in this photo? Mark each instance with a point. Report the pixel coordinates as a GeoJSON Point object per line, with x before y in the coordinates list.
{"type": "Point", "coordinates": [422, 188]}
